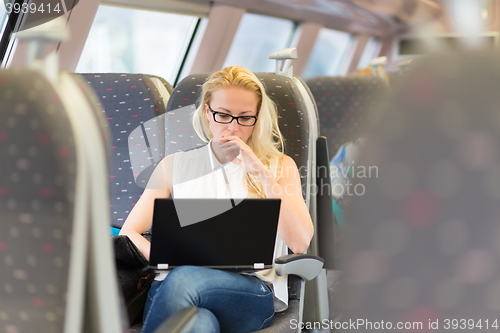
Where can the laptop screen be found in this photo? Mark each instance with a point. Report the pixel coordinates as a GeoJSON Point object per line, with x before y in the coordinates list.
{"type": "Point", "coordinates": [215, 233]}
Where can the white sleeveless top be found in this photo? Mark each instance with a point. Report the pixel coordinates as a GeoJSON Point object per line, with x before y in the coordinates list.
{"type": "Point", "coordinates": [198, 174]}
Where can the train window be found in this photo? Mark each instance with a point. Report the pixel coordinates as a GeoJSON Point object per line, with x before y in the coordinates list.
{"type": "Point", "coordinates": [5, 32]}
{"type": "Point", "coordinates": [371, 51]}
{"type": "Point", "coordinates": [3, 18]}
{"type": "Point", "coordinates": [330, 53]}
{"type": "Point", "coordinates": [127, 40]}
{"type": "Point", "coordinates": [257, 37]}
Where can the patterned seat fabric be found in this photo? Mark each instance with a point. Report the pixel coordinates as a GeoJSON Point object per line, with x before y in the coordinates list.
{"type": "Point", "coordinates": [37, 186]}
{"type": "Point", "coordinates": [130, 102]}
{"type": "Point", "coordinates": [294, 126]}
{"type": "Point", "coordinates": [343, 104]}
{"type": "Point", "coordinates": [424, 243]}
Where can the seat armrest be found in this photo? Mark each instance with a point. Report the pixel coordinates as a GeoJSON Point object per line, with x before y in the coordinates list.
{"type": "Point", "coordinates": [304, 265]}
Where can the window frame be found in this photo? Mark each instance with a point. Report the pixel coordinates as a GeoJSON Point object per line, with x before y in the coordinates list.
{"type": "Point", "coordinates": [8, 41]}
{"type": "Point", "coordinates": [343, 66]}
{"type": "Point", "coordinates": [288, 43]}
{"type": "Point", "coordinates": [168, 10]}
{"type": "Point", "coordinates": [376, 51]}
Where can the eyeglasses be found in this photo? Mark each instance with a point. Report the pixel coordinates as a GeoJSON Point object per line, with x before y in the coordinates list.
{"type": "Point", "coordinates": [225, 118]}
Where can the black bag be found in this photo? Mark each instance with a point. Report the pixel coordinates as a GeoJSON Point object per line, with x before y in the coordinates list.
{"type": "Point", "coordinates": [134, 281]}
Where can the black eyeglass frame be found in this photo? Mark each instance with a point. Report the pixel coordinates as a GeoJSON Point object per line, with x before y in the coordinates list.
{"type": "Point", "coordinates": [232, 118]}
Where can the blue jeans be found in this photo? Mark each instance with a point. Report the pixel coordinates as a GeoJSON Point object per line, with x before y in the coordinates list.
{"type": "Point", "coordinates": [227, 301]}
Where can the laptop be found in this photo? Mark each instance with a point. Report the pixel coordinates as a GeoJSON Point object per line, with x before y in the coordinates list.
{"type": "Point", "coordinates": [230, 234]}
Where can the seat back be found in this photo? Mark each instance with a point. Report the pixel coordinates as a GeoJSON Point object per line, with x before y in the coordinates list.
{"type": "Point", "coordinates": [423, 242]}
{"type": "Point", "coordinates": [131, 103]}
{"type": "Point", "coordinates": [343, 104]}
{"type": "Point", "coordinates": [103, 310]}
{"type": "Point", "coordinates": [37, 190]}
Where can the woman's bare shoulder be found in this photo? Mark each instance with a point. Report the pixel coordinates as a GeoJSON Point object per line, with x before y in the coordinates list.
{"type": "Point", "coordinates": [169, 159]}
{"type": "Point", "coordinates": [288, 164]}
{"type": "Point", "coordinates": [285, 166]}
{"type": "Point", "coordinates": [288, 161]}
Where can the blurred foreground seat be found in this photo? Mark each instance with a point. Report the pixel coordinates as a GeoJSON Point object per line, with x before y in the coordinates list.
{"type": "Point", "coordinates": [38, 171]}
{"type": "Point", "coordinates": [423, 240]}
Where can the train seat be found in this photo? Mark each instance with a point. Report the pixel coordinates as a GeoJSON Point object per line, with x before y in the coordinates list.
{"type": "Point", "coordinates": [343, 104]}
{"type": "Point", "coordinates": [37, 187]}
{"type": "Point", "coordinates": [294, 124]}
{"type": "Point", "coordinates": [53, 206]}
{"type": "Point", "coordinates": [58, 274]}
{"type": "Point", "coordinates": [423, 239]}
{"type": "Point", "coordinates": [133, 105]}
{"type": "Point", "coordinates": [131, 102]}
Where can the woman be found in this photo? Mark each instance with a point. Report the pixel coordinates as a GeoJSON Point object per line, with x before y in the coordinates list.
{"type": "Point", "coordinates": [243, 158]}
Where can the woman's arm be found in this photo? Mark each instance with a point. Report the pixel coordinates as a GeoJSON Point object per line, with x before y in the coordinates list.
{"type": "Point", "coordinates": [295, 225]}
{"type": "Point", "coordinates": [140, 218]}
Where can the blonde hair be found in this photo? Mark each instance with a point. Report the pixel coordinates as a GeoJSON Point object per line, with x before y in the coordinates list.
{"type": "Point", "coordinates": [266, 140]}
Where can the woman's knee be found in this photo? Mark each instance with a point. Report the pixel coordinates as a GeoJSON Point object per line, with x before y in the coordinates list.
{"type": "Point", "coordinates": [205, 322]}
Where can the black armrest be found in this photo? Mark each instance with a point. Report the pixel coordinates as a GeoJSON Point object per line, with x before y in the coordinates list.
{"type": "Point", "coordinates": [180, 322]}
{"type": "Point", "coordinates": [326, 222]}
{"type": "Point", "coordinates": [304, 265]}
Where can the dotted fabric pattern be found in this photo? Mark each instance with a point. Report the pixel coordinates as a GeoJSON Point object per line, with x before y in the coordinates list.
{"type": "Point", "coordinates": [293, 122]}
{"type": "Point", "coordinates": [423, 241]}
{"type": "Point", "coordinates": [129, 101]}
{"type": "Point", "coordinates": [95, 107]}
{"type": "Point", "coordinates": [311, 96]}
{"type": "Point", "coordinates": [37, 185]}
{"type": "Point", "coordinates": [343, 104]}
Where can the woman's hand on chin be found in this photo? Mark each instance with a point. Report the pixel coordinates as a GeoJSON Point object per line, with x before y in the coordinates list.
{"type": "Point", "coordinates": [234, 146]}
